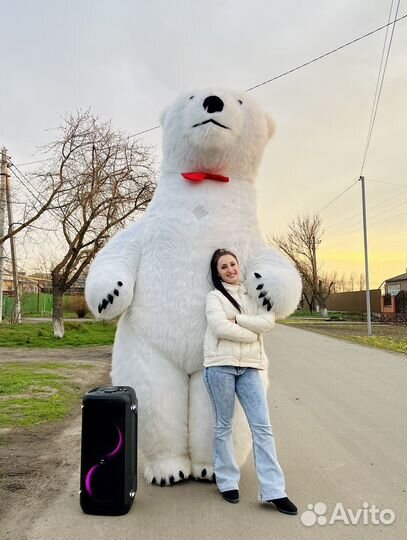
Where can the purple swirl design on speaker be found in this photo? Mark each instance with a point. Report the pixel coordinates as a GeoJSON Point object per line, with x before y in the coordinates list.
{"type": "Point", "coordinates": [108, 456]}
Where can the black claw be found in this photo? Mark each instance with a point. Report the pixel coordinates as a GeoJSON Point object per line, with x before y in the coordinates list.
{"type": "Point", "coordinates": [172, 481]}
{"type": "Point", "coordinates": [213, 477]}
{"type": "Point", "coordinates": [162, 483]}
{"type": "Point", "coordinates": [110, 298]}
{"type": "Point", "coordinates": [100, 308]}
{"type": "Point", "coordinates": [191, 477]}
{"type": "Point", "coordinates": [203, 473]}
{"type": "Point", "coordinates": [269, 306]}
{"type": "Point", "coordinates": [104, 304]}
{"type": "Point", "coordinates": [116, 292]}
{"type": "Point", "coordinates": [154, 481]}
{"type": "Point", "coordinates": [181, 475]}
{"type": "Point", "coordinates": [262, 294]}
{"type": "Point", "coordinates": [259, 287]}
{"type": "Point", "coordinates": [257, 275]}
{"type": "Point", "coordinates": [265, 301]}
{"type": "Point", "coordinates": [120, 283]}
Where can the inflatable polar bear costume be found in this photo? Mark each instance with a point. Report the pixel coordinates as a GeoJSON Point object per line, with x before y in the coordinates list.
{"type": "Point", "coordinates": [156, 275]}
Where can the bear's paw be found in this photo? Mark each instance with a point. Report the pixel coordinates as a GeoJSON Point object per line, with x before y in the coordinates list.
{"type": "Point", "coordinates": [167, 472]}
{"type": "Point", "coordinates": [263, 292]}
{"type": "Point", "coordinates": [203, 471]}
{"type": "Point", "coordinates": [108, 299]}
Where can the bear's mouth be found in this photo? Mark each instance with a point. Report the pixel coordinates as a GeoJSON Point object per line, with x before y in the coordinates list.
{"type": "Point", "coordinates": [213, 122]}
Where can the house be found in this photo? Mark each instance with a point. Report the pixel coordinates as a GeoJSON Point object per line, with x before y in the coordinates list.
{"type": "Point", "coordinates": [26, 283]}
{"type": "Point", "coordinates": [395, 294]}
{"type": "Point", "coordinates": [395, 284]}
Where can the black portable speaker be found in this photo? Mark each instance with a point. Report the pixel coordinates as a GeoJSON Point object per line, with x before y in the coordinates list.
{"type": "Point", "coordinates": [109, 450]}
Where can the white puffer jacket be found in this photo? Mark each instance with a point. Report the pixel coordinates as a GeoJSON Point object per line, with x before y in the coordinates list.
{"type": "Point", "coordinates": [228, 343]}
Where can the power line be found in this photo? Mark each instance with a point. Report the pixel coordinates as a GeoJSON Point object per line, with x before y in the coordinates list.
{"type": "Point", "coordinates": [370, 208]}
{"type": "Point", "coordinates": [277, 76]}
{"type": "Point", "coordinates": [340, 195]}
{"type": "Point", "coordinates": [144, 131]}
{"type": "Point", "coordinates": [359, 229]}
{"type": "Point", "coordinates": [380, 71]}
{"type": "Point", "coordinates": [387, 209]}
{"type": "Point", "coordinates": [388, 183]}
{"type": "Point", "coordinates": [31, 162]}
{"type": "Point", "coordinates": [340, 229]}
{"type": "Point", "coordinates": [326, 54]}
{"type": "Point", "coordinates": [387, 219]}
{"type": "Point", "coordinates": [19, 175]}
{"type": "Point", "coordinates": [376, 105]}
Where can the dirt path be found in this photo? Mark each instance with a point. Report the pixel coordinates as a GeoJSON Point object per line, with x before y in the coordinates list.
{"type": "Point", "coordinates": [34, 462]}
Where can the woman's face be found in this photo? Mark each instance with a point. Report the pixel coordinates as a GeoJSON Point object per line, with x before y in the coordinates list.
{"type": "Point", "coordinates": [228, 269]}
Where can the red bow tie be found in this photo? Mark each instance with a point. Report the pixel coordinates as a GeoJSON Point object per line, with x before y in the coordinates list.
{"type": "Point", "coordinates": [199, 176]}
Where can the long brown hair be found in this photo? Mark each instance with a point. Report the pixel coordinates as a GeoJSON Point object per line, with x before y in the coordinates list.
{"type": "Point", "coordinates": [217, 282]}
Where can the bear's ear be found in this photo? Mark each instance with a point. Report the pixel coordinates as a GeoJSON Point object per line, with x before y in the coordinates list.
{"type": "Point", "coordinates": [271, 126]}
{"type": "Point", "coordinates": [163, 115]}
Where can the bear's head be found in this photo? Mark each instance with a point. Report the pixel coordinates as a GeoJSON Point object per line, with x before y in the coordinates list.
{"type": "Point", "coordinates": [215, 130]}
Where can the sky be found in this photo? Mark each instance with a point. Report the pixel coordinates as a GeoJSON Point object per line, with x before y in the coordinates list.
{"type": "Point", "coordinates": [128, 59]}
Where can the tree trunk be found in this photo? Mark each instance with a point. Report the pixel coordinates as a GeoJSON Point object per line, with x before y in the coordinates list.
{"type": "Point", "coordinates": [57, 309]}
{"type": "Point", "coordinates": [324, 312]}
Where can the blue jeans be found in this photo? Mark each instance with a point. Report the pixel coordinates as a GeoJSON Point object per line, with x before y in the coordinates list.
{"type": "Point", "coordinates": [222, 383]}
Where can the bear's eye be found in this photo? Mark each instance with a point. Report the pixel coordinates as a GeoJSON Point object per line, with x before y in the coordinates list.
{"type": "Point", "coordinates": [240, 101]}
{"type": "Point", "coordinates": [192, 97]}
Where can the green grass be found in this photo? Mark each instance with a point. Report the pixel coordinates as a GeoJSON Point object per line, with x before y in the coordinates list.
{"type": "Point", "coordinates": [67, 315]}
{"type": "Point", "coordinates": [34, 393]}
{"type": "Point", "coordinates": [382, 342]}
{"type": "Point", "coordinates": [306, 313]}
{"type": "Point", "coordinates": [77, 334]}
{"type": "Point", "coordinates": [391, 337]}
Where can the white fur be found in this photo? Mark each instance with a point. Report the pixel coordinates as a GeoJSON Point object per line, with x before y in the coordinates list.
{"type": "Point", "coordinates": [163, 262]}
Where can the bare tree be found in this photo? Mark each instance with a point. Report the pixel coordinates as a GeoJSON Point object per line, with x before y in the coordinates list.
{"type": "Point", "coordinates": [104, 179]}
{"type": "Point", "coordinates": [351, 282]}
{"type": "Point", "coordinates": [340, 284]}
{"type": "Point", "coordinates": [32, 206]}
{"type": "Point", "coordinates": [300, 245]}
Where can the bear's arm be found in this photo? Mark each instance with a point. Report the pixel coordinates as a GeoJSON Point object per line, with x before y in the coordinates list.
{"type": "Point", "coordinates": [279, 280]}
{"type": "Point", "coordinates": [221, 327]}
{"type": "Point", "coordinates": [257, 323]}
{"type": "Point", "coordinates": [112, 275]}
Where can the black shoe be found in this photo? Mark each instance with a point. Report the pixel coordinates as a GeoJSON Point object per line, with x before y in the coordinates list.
{"type": "Point", "coordinates": [285, 506]}
{"type": "Point", "coordinates": [231, 496]}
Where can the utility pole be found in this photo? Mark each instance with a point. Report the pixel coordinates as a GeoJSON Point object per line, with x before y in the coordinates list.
{"type": "Point", "coordinates": [369, 320]}
{"type": "Point", "coordinates": [17, 302]}
{"type": "Point", "coordinates": [2, 220]}
{"type": "Point", "coordinates": [314, 270]}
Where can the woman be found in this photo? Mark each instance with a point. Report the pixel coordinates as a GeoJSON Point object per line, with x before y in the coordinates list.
{"type": "Point", "coordinates": [233, 356]}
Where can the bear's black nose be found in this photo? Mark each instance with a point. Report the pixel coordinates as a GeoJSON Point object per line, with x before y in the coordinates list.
{"type": "Point", "coordinates": [213, 104]}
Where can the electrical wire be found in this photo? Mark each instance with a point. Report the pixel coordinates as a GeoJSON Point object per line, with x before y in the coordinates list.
{"type": "Point", "coordinates": [358, 228]}
{"type": "Point", "coordinates": [278, 76]}
{"type": "Point", "coordinates": [340, 229]}
{"type": "Point", "coordinates": [376, 105]}
{"type": "Point", "coordinates": [19, 175]}
{"type": "Point", "coordinates": [325, 54]}
{"type": "Point", "coordinates": [369, 208]}
{"type": "Point", "coordinates": [32, 162]}
{"type": "Point", "coordinates": [338, 196]}
{"type": "Point", "coordinates": [388, 183]}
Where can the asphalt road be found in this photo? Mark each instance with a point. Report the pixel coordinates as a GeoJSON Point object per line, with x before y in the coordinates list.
{"type": "Point", "coordinates": [337, 411]}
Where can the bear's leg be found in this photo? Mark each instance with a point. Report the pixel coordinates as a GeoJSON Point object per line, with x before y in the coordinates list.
{"type": "Point", "coordinates": [200, 429]}
{"type": "Point", "coordinates": [162, 394]}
